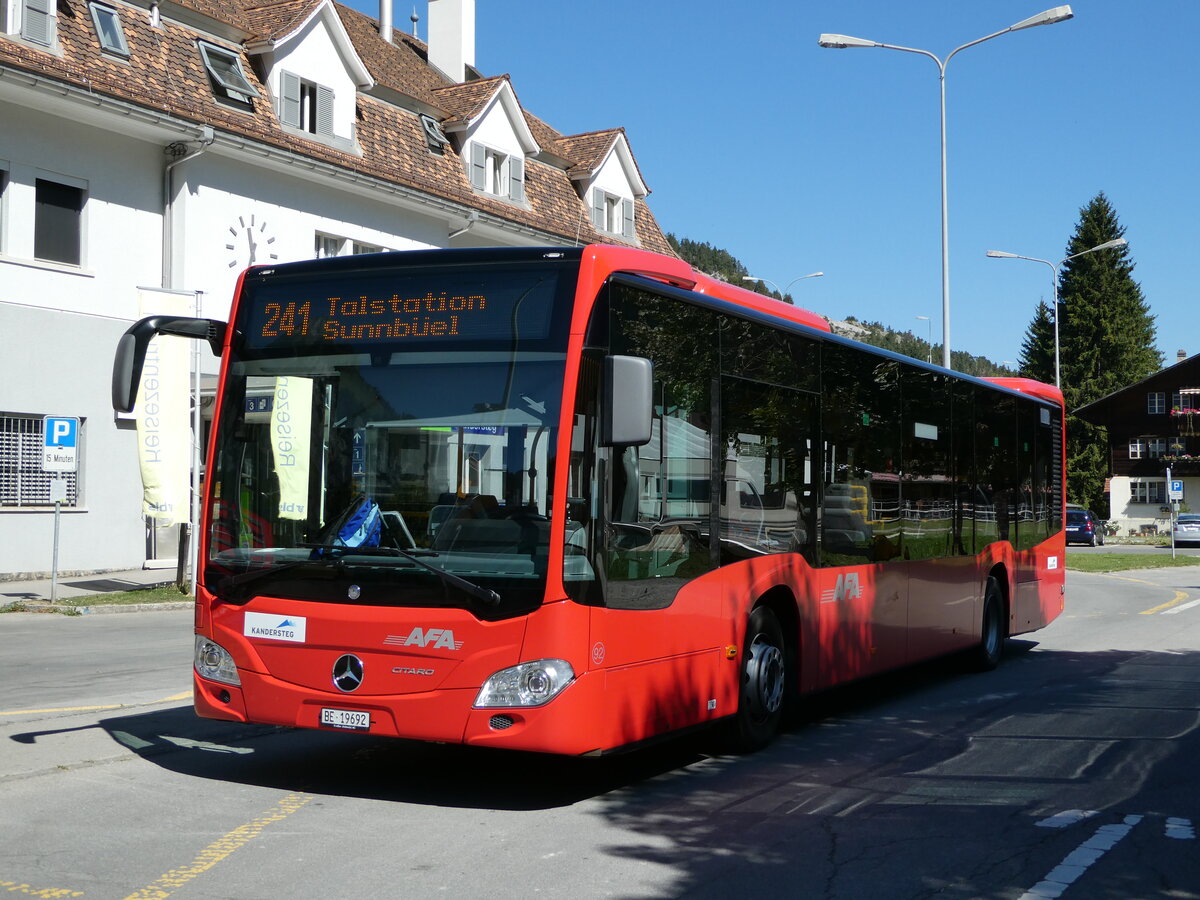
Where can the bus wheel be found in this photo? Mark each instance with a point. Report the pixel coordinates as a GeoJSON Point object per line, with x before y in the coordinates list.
{"type": "Point", "coordinates": [986, 655]}
{"type": "Point", "coordinates": [763, 682]}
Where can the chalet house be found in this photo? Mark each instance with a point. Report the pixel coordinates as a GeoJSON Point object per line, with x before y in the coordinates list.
{"type": "Point", "coordinates": [150, 150]}
{"type": "Point", "coordinates": [1152, 425]}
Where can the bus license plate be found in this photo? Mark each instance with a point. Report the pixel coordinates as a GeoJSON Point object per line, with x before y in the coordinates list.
{"type": "Point", "coordinates": [354, 719]}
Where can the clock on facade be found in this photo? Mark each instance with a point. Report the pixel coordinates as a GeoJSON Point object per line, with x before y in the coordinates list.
{"type": "Point", "coordinates": [250, 242]}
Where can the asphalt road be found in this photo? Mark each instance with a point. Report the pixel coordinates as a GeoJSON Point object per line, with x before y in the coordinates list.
{"type": "Point", "coordinates": [1069, 771]}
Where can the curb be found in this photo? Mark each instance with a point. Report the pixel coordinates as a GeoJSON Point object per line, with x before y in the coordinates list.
{"type": "Point", "coordinates": [104, 608]}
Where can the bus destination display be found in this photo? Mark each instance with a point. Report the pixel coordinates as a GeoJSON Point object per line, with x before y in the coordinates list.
{"type": "Point", "coordinates": [275, 316]}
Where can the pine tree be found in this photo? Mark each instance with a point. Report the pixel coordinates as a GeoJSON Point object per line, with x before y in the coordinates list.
{"type": "Point", "coordinates": [1037, 350]}
{"type": "Point", "coordinates": [1107, 340]}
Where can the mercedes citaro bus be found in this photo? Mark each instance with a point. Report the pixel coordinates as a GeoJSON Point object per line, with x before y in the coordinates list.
{"type": "Point", "coordinates": [572, 499]}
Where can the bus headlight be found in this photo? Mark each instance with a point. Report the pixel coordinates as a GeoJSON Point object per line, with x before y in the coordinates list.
{"type": "Point", "coordinates": [529, 684]}
{"type": "Point", "coordinates": [214, 662]}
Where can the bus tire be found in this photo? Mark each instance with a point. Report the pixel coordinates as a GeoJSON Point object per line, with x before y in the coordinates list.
{"type": "Point", "coordinates": [985, 656]}
{"type": "Point", "coordinates": [763, 681]}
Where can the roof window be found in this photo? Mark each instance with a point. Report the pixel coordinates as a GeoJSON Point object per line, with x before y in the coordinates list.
{"type": "Point", "coordinates": [225, 70]}
{"type": "Point", "coordinates": [108, 29]}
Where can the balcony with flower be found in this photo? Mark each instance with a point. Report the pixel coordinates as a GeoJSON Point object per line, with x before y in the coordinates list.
{"type": "Point", "coordinates": [1186, 420]}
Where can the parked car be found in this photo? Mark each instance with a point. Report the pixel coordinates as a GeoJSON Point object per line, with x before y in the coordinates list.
{"type": "Point", "coordinates": [1187, 529]}
{"type": "Point", "coordinates": [1084, 528]}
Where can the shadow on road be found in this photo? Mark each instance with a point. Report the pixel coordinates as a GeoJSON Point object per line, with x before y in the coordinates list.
{"type": "Point", "coordinates": [865, 769]}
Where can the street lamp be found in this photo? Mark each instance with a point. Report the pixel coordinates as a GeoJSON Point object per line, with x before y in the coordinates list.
{"type": "Point", "coordinates": [930, 321]}
{"type": "Point", "coordinates": [784, 292]}
{"type": "Point", "coordinates": [1054, 267]}
{"type": "Point", "coordinates": [842, 41]}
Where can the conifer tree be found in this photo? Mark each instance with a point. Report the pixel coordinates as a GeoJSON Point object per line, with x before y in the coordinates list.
{"type": "Point", "coordinates": [1107, 340]}
{"type": "Point", "coordinates": [1037, 350]}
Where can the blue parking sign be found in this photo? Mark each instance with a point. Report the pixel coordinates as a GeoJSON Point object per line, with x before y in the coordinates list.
{"type": "Point", "coordinates": [60, 446]}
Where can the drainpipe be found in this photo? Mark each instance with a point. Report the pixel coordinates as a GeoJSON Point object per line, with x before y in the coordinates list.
{"type": "Point", "coordinates": [472, 219]}
{"type": "Point", "coordinates": [180, 153]}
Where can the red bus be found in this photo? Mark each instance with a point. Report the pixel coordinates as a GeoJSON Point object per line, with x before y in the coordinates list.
{"type": "Point", "coordinates": [570, 500]}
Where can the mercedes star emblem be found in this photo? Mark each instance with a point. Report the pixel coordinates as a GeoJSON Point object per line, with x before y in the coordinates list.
{"type": "Point", "coordinates": [347, 673]}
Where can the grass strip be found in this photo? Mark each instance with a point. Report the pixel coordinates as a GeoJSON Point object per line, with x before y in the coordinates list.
{"type": "Point", "coordinates": [1083, 561]}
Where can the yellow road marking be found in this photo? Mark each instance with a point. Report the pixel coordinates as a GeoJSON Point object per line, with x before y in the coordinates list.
{"type": "Point", "coordinates": [183, 695]}
{"type": "Point", "coordinates": [219, 850]}
{"type": "Point", "coordinates": [1180, 596]}
{"type": "Point", "coordinates": [12, 887]}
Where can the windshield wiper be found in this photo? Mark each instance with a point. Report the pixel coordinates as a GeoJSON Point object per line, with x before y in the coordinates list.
{"type": "Point", "coordinates": [231, 585]}
{"type": "Point", "coordinates": [490, 597]}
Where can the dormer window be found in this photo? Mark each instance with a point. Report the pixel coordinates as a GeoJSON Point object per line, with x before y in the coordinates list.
{"type": "Point", "coordinates": [305, 105]}
{"type": "Point", "coordinates": [225, 71]}
{"type": "Point", "coordinates": [108, 29]}
{"type": "Point", "coordinates": [497, 173]}
{"type": "Point", "coordinates": [612, 214]}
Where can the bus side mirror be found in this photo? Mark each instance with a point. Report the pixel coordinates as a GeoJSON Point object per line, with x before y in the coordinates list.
{"type": "Point", "coordinates": [131, 350]}
{"type": "Point", "coordinates": [628, 401]}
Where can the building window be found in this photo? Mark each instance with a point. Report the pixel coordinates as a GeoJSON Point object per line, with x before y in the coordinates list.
{"type": "Point", "coordinates": [305, 105]}
{"type": "Point", "coordinates": [1146, 492]}
{"type": "Point", "coordinates": [57, 222]}
{"type": "Point", "coordinates": [1156, 447]}
{"type": "Point", "coordinates": [225, 71]}
{"type": "Point", "coordinates": [38, 21]}
{"type": "Point", "coordinates": [1137, 448]}
{"type": "Point", "coordinates": [22, 481]}
{"type": "Point", "coordinates": [360, 248]}
{"type": "Point", "coordinates": [1156, 402]}
{"type": "Point", "coordinates": [496, 173]}
{"type": "Point", "coordinates": [108, 29]}
{"type": "Point", "coordinates": [327, 245]}
{"type": "Point", "coordinates": [435, 138]}
{"type": "Point", "coordinates": [612, 214]}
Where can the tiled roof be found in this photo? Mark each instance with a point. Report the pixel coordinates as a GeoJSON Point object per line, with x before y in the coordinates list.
{"type": "Point", "coordinates": [230, 12]}
{"type": "Point", "coordinates": [165, 73]}
{"type": "Point", "coordinates": [464, 101]}
{"type": "Point", "coordinates": [402, 64]}
{"type": "Point", "coordinates": [273, 20]}
{"type": "Point", "coordinates": [588, 151]}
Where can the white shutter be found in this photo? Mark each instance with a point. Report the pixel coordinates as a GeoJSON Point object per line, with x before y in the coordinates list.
{"type": "Point", "coordinates": [37, 23]}
{"type": "Point", "coordinates": [324, 111]}
{"type": "Point", "coordinates": [289, 99]}
{"type": "Point", "coordinates": [627, 219]}
{"type": "Point", "coordinates": [479, 167]}
{"type": "Point", "coordinates": [516, 179]}
{"type": "Point", "coordinates": [598, 217]}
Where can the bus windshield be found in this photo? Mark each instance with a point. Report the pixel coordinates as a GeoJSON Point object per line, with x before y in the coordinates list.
{"type": "Point", "coordinates": [388, 438]}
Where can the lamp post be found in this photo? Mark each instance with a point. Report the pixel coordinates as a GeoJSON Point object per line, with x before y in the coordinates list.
{"type": "Point", "coordinates": [930, 321]}
{"type": "Point", "coordinates": [784, 292]}
{"type": "Point", "coordinates": [1054, 267]}
{"type": "Point", "coordinates": [842, 41]}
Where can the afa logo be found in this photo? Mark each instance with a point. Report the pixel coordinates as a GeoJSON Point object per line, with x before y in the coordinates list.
{"type": "Point", "coordinates": [846, 588]}
{"type": "Point", "coordinates": [437, 638]}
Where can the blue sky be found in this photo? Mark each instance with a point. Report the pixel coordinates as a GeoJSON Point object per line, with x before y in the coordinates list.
{"type": "Point", "coordinates": [796, 158]}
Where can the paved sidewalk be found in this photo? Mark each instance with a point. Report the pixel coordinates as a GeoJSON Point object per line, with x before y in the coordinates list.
{"type": "Point", "coordinates": [75, 590]}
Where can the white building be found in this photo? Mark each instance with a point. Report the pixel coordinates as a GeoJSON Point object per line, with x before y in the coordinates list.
{"type": "Point", "coordinates": [163, 144]}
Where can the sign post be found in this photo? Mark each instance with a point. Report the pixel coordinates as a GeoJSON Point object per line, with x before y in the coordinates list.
{"type": "Point", "coordinates": [60, 453]}
{"type": "Point", "coordinates": [1174, 495]}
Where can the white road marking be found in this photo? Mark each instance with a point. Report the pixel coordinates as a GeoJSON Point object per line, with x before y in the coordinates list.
{"type": "Point", "coordinates": [1180, 829]}
{"type": "Point", "coordinates": [1179, 609]}
{"type": "Point", "coordinates": [1080, 860]}
{"type": "Point", "coordinates": [1066, 817]}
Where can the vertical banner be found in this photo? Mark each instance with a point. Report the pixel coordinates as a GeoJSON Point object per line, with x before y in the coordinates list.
{"type": "Point", "coordinates": [161, 412]}
{"type": "Point", "coordinates": [291, 440]}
